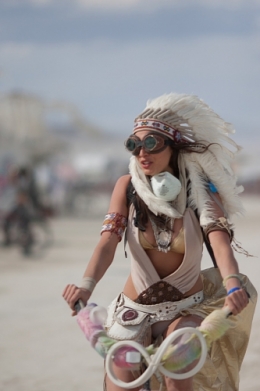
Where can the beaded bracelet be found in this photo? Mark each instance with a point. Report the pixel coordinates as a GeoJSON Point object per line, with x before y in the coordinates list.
{"type": "Point", "coordinates": [236, 288]}
{"type": "Point", "coordinates": [232, 276]}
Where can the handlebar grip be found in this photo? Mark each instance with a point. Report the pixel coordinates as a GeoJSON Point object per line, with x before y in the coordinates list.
{"type": "Point", "coordinates": [79, 305]}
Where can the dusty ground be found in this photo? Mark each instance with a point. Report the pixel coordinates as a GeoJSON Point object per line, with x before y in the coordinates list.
{"type": "Point", "coordinates": [42, 347]}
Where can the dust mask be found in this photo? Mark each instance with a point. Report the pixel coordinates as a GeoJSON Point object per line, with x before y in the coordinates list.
{"type": "Point", "coordinates": [165, 186]}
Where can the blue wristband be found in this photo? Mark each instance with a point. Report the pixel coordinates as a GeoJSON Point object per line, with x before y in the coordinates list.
{"type": "Point", "coordinates": [233, 290]}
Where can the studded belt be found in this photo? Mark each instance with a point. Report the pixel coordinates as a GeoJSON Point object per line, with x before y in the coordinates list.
{"type": "Point", "coordinates": [157, 312]}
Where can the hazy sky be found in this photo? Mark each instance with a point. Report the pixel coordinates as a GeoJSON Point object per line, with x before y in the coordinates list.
{"type": "Point", "coordinates": [109, 56]}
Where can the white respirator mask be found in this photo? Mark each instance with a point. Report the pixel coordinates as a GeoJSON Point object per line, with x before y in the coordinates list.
{"type": "Point", "coordinates": [165, 186]}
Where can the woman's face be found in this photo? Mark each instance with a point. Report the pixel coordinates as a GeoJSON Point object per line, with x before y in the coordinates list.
{"type": "Point", "coordinates": [153, 163]}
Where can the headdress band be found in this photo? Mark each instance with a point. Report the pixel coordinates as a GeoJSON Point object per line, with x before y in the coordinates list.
{"type": "Point", "coordinates": [159, 126]}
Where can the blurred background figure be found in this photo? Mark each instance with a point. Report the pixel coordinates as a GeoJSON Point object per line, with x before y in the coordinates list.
{"type": "Point", "coordinates": [22, 207]}
{"type": "Point", "coordinates": [22, 197]}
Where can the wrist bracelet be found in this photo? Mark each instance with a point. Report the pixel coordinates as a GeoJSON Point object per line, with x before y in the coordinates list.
{"type": "Point", "coordinates": [88, 283]}
{"type": "Point", "coordinates": [237, 276]}
{"type": "Point", "coordinates": [236, 288]}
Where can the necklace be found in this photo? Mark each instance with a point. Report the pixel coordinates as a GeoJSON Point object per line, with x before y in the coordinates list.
{"type": "Point", "coordinates": [162, 236]}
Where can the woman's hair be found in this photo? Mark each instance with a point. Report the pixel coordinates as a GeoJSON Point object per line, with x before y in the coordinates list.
{"type": "Point", "coordinates": [142, 211]}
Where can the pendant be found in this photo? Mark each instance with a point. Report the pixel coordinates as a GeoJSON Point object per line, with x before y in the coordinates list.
{"type": "Point", "coordinates": [163, 241]}
{"type": "Point", "coordinates": [162, 237]}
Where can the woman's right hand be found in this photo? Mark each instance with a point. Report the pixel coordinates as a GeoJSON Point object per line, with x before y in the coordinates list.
{"type": "Point", "coordinates": [72, 294]}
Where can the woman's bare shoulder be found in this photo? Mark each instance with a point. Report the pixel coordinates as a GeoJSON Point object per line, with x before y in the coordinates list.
{"type": "Point", "coordinates": [124, 180]}
{"type": "Point", "coordinates": [122, 184]}
{"type": "Point", "coordinates": [118, 201]}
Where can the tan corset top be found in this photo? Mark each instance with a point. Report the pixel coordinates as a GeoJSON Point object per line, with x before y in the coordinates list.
{"type": "Point", "coordinates": [177, 245]}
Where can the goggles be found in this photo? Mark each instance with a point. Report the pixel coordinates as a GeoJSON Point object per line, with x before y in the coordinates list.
{"type": "Point", "coordinates": [151, 143]}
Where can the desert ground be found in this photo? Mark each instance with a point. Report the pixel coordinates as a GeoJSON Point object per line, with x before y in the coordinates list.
{"type": "Point", "coordinates": [42, 347]}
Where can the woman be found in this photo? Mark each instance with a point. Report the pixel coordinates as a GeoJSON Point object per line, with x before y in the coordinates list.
{"type": "Point", "coordinates": [181, 187]}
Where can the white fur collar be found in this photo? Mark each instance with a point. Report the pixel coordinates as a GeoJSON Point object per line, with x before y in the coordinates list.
{"type": "Point", "coordinates": [143, 189]}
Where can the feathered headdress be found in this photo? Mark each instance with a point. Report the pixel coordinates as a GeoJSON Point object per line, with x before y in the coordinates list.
{"type": "Point", "coordinates": [186, 118]}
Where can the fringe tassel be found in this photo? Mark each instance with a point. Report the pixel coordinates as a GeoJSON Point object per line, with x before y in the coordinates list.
{"type": "Point", "coordinates": [237, 247]}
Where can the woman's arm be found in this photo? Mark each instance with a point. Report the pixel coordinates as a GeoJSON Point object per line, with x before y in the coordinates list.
{"type": "Point", "coordinates": [104, 252]}
{"type": "Point", "coordinates": [227, 264]}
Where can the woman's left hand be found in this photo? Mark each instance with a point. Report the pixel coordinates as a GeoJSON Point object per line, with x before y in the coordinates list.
{"type": "Point", "coordinates": [237, 301]}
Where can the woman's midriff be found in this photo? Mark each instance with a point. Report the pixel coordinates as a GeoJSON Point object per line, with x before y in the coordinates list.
{"type": "Point", "coordinates": [165, 263]}
{"type": "Point", "coordinates": [129, 289]}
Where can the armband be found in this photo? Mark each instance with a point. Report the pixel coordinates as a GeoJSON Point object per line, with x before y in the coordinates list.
{"type": "Point", "coordinates": [221, 224]}
{"type": "Point", "coordinates": [114, 223]}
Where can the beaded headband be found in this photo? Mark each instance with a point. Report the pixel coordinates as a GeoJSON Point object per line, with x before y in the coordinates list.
{"type": "Point", "coordinates": [159, 126]}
